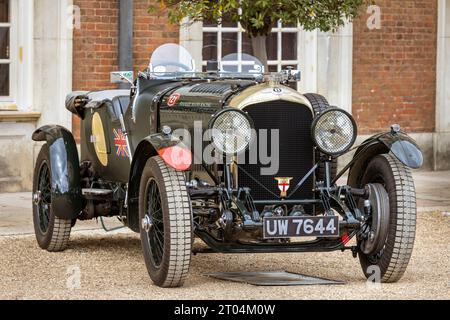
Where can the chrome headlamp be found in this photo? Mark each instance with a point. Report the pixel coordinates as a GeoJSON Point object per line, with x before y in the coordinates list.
{"type": "Point", "coordinates": [334, 132]}
{"type": "Point", "coordinates": [231, 131]}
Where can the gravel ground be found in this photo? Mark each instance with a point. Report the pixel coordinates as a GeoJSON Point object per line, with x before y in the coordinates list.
{"type": "Point", "coordinates": [112, 267]}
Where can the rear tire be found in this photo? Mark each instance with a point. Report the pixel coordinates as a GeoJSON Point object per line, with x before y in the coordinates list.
{"type": "Point", "coordinates": [52, 233]}
{"type": "Point", "coordinates": [320, 105]}
{"type": "Point", "coordinates": [396, 178]}
{"type": "Point", "coordinates": [166, 223]}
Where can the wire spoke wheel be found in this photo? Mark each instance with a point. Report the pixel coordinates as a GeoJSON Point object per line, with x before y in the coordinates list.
{"type": "Point", "coordinates": [45, 197]}
{"type": "Point", "coordinates": [155, 234]}
{"type": "Point", "coordinates": [389, 239]}
{"type": "Point", "coordinates": [166, 223]}
{"type": "Point", "coordinates": [52, 233]}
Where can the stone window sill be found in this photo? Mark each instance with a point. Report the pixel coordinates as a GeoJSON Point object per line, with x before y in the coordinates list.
{"type": "Point", "coordinates": [19, 116]}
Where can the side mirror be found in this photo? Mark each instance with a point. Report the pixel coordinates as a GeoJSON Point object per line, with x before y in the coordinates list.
{"type": "Point", "coordinates": [122, 77]}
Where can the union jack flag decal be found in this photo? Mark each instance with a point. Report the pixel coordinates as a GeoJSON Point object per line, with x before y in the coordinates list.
{"type": "Point", "coordinates": [121, 143]}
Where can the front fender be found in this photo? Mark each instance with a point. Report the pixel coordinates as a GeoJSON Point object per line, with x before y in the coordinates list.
{"type": "Point", "coordinates": [65, 170]}
{"type": "Point", "coordinates": [402, 146]}
{"type": "Point", "coordinates": [172, 150]}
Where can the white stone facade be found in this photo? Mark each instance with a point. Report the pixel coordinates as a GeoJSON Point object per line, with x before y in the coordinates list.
{"type": "Point", "coordinates": [41, 48]}
{"type": "Point", "coordinates": [441, 139]}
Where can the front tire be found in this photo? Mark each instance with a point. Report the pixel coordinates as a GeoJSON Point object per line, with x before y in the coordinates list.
{"type": "Point", "coordinates": [393, 259]}
{"type": "Point", "coordinates": [166, 223]}
{"type": "Point", "coordinates": [52, 233]}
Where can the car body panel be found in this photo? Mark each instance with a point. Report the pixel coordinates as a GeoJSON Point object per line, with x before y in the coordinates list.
{"type": "Point", "coordinates": [113, 163]}
{"type": "Point", "coordinates": [65, 170]}
{"type": "Point", "coordinates": [404, 149]}
{"type": "Point", "coordinates": [402, 146]}
{"type": "Point", "coordinates": [267, 92]}
{"type": "Point", "coordinates": [173, 151]}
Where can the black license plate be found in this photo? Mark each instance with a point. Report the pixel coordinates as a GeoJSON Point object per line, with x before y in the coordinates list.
{"type": "Point", "coordinates": [291, 227]}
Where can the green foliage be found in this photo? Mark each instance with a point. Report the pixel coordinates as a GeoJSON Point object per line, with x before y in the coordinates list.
{"type": "Point", "coordinates": [258, 16]}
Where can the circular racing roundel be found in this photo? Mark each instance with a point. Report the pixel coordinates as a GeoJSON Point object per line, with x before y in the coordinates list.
{"type": "Point", "coordinates": [173, 99]}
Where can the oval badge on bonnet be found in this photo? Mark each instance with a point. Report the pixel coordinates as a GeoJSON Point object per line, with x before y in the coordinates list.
{"type": "Point", "coordinates": [173, 99]}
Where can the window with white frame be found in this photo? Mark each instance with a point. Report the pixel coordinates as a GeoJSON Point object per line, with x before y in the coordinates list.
{"type": "Point", "coordinates": [16, 53]}
{"type": "Point", "coordinates": [5, 50]}
{"type": "Point", "coordinates": [282, 44]}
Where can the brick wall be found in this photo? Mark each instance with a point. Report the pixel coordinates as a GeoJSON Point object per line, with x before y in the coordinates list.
{"type": "Point", "coordinates": [150, 31]}
{"type": "Point", "coordinates": [95, 45]}
{"type": "Point", "coordinates": [394, 71]}
{"type": "Point", "coordinates": [393, 75]}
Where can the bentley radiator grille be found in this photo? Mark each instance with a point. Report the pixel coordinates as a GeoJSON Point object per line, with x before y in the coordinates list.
{"type": "Point", "coordinates": [295, 150]}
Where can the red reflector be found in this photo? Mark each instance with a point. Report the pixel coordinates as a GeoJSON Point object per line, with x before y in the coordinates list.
{"type": "Point", "coordinates": [345, 238]}
{"type": "Point", "coordinates": [177, 157]}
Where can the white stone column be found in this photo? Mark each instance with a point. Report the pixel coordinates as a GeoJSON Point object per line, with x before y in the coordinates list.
{"type": "Point", "coordinates": [326, 60]}
{"type": "Point", "coordinates": [53, 36]}
{"type": "Point", "coordinates": [25, 49]}
{"type": "Point", "coordinates": [442, 135]}
{"type": "Point", "coordinates": [308, 47]}
{"type": "Point", "coordinates": [191, 37]}
{"type": "Point", "coordinates": [335, 66]}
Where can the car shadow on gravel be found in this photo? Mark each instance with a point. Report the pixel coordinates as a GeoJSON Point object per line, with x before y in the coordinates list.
{"type": "Point", "coordinates": [312, 264]}
{"type": "Point", "coordinates": [110, 243]}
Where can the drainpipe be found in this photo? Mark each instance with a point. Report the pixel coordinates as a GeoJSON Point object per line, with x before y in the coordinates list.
{"type": "Point", "coordinates": [125, 37]}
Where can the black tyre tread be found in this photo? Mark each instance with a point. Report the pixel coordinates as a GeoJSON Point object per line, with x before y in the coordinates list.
{"type": "Point", "coordinates": [320, 104]}
{"type": "Point", "coordinates": [180, 217]}
{"type": "Point", "coordinates": [58, 234]}
{"type": "Point", "coordinates": [402, 230]}
{"type": "Point", "coordinates": [404, 223]}
{"type": "Point", "coordinates": [177, 264]}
